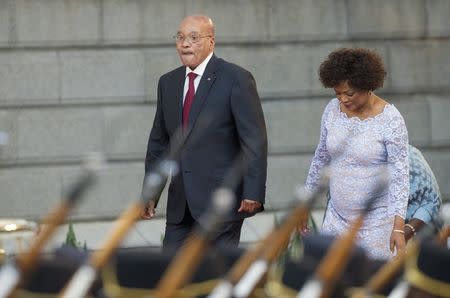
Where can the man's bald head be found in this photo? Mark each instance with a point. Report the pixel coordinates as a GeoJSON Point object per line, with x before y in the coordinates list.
{"type": "Point", "coordinates": [206, 22]}
{"type": "Point", "coordinates": [195, 40]}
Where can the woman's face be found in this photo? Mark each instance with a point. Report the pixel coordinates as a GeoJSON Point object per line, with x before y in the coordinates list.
{"type": "Point", "coordinates": [352, 99]}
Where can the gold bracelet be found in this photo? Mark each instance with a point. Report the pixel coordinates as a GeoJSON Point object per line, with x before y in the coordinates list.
{"type": "Point", "coordinates": [399, 231]}
{"type": "Point", "coordinates": [411, 227]}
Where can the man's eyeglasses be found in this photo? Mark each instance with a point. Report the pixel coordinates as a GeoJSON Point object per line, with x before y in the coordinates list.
{"type": "Point", "coordinates": [191, 38]}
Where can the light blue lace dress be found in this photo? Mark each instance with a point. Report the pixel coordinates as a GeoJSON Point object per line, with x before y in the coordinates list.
{"type": "Point", "coordinates": [358, 152]}
{"type": "Point", "coordinates": [424, 194]}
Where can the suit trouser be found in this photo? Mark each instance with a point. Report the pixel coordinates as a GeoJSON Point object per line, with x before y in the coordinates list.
{"type": "Point", "coordinates": [228, 234]}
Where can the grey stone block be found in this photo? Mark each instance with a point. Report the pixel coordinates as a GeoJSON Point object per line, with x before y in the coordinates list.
{"type": "Point", "coordinates": [57, 22]}
{"type": "Point", "coordinates": [437, 16]}
{"type": "Point", "coordinates": [122, 21]}
{"type": "Point", "coordinates": [58, 133]}
{"type": "Point", "coordinates": [440, 120]}
{"type": "Point", "coordinates": [284, 70]}
{"type": "Point", "coordinates": [416, 112]}
{"type": "Point", "coordinates": [385, 18]}
{"type": "Point", "coordinates": [234, 20]}
{"type": "Point", "coordinates": [8, 125]}
{"type": "Point", "coordinates": [29, 192]}
{"type": "Point", "coordinates": [4, 22]}
{"type": "Point", "coordinates": [410, 65]}
{"type": "Point", "coordinates": [126, 130]}
{"type": "Point", "coordinates": [141, 20]}
{"type": "Point", "coordinates": [439, 162]}
{"type": "Point", "coordinates": [283, 175]}
{"type": "Point", "coordinates": [109, 74]}
{"type": "Point", "coordinates": [117, 186]}
{"type": "Point", "coordinates": [439, 66]}
{"type": "Point", "coordinates": [158, 62]}
{"type": "Point", "coordinates": [279, 70]}
{"type": "Point", "coordinates": [307, 19]}
{"type": "Point", "coordinates": [260, 60]}
{"type": "Point", "coordinates": [28, 77]}
{"type": "Point", "coordinates": [289, 70]}
{"type": "Point", "coordinates": [293, 125]}
{"type": "Point", "coordinates": [272, 67]}
{"type": "Point", "coordinates": [420, 65]}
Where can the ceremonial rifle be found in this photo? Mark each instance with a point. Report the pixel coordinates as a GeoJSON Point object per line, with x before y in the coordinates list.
{"type": "Point", "coordinates": [14, 274]}
{"type": "Point", "coordinates": [190, 254]}
{"type": "Point", "coordinates": [334, 262]}
{"type": "Point", "coordinates": [390, 269]}
{"type": "Point", "coordinates": [250, 268]}
{"type": "Point", "coordinates": [154, 183]}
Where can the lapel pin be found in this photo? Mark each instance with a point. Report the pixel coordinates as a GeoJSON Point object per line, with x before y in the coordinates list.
{"type": "Point", "coordinates": [209, 79]}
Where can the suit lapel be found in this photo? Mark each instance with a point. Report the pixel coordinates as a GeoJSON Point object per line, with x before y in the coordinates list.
{"type": "Point", "coordinates": [201, 95]}
{"type": "Point", "coordinates": [178, 94]}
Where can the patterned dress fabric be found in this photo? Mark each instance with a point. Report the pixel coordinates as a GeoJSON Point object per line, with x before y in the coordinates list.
{"type": "Point", "coordinates": [424, 195]}
{"type": "Point", "coordinates": [359, 153]}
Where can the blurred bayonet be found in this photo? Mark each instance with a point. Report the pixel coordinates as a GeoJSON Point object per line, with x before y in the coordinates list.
{"type": "Point", "coordinates": [389, 270]}
{"type": "Point", "coordinates": [249, 269]}
{"type": "Point", "coordinates": [334, 262]}
{"type": "Point", "coordinates": [13, 274]}
{"type": "Point", "coordinates": [154, 183]}
{"type": "Point", "coordinates": [155, 180]}
{"type": "Point", "coordinates": [190, 254]}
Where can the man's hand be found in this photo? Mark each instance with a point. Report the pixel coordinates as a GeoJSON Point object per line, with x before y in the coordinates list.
{"type": "Point", "coordinates": [412, 227]}
{"type": "Point", "coordinates": [149, 211]}
{"type": "Point", "coordinates": [302, 226]}
{"type": "Point", "coordinates": [249, 206]}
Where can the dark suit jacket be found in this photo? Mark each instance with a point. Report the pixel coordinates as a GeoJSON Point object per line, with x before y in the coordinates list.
{"type": "Point", "coordinates": [225, 118]}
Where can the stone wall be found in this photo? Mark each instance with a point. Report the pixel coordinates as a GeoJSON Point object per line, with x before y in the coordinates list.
{"type": "Point", "coordinates": [80, 75]}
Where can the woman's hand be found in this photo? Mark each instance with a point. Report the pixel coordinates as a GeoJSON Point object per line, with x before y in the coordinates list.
{"type": "Point", "coordinates": [397, 240]}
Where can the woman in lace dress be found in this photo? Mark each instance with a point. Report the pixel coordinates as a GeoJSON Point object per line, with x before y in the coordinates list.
{"type": "Point", "coordinates": [361, 136]}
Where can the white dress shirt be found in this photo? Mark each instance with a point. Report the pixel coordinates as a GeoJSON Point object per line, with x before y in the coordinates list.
{"type": "Point", "coordinates": [199, 70]}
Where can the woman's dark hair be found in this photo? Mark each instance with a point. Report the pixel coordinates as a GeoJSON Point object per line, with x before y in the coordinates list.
{"type": "Point", "coordinates": [363, 69]}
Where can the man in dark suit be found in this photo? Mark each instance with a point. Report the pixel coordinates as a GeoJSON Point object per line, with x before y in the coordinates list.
{"type": "Point", "coordinates": [217, 105]}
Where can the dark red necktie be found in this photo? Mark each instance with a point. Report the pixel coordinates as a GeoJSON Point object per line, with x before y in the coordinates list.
{"type": "Point", "coordinates": [189, 99]}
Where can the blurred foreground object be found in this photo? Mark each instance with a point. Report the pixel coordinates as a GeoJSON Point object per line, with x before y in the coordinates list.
{"type": "Point", "coordinates": [15, 236]}
{"type": "Point", "coordinates": [154, 182]}
{"type": "Point", "coordinates": [135, 272]}
{"type": "Point", "coordinates": [428, 273]}
{"type": "Point", "coordinates": [189, 256]}
{"type": "Point", "coordinates": [15, 273]}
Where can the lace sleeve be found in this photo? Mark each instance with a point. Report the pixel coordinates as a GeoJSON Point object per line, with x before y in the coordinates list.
{"type": "Point", "coordinates": [396, 142]}
{"type": "Point", "coordinates": [321, 156]}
